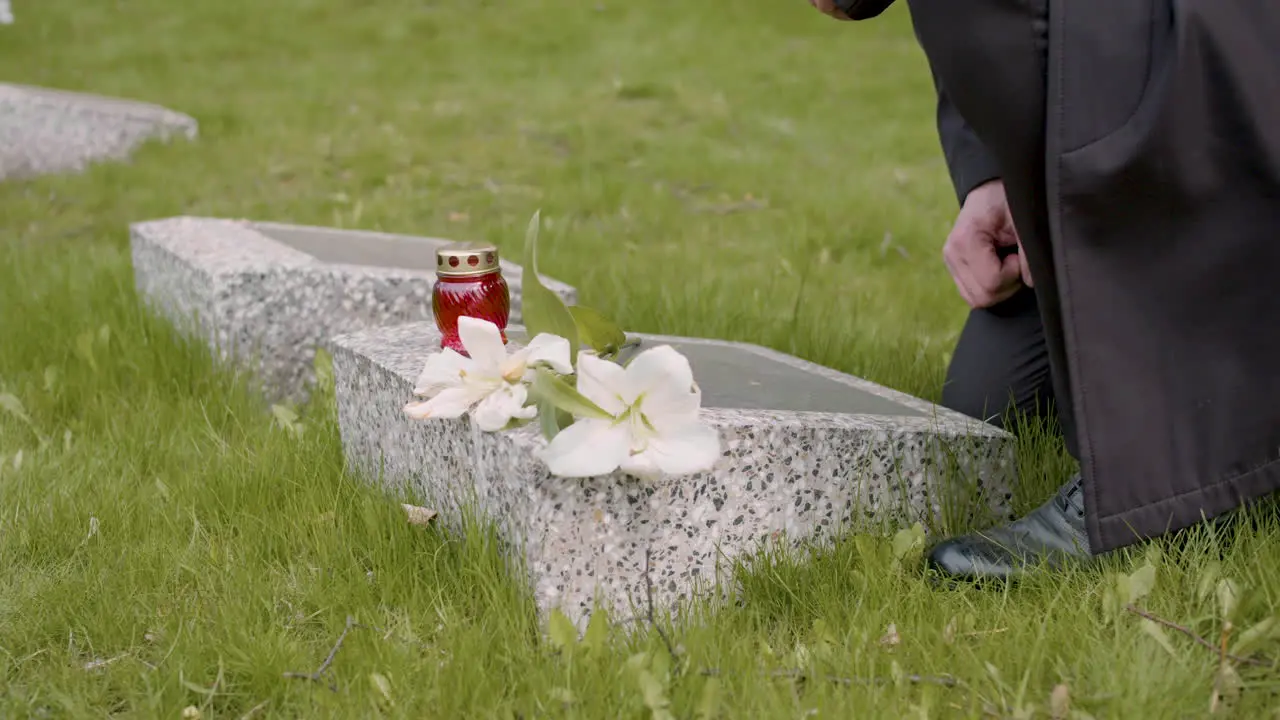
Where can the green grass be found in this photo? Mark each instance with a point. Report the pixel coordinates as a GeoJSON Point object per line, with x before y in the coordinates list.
{"type": "Point", "coordinates": [168, 526]}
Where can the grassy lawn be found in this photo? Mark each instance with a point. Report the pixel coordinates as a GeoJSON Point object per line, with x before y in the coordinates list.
{"type": "Point", "coordinates": [750, 171]}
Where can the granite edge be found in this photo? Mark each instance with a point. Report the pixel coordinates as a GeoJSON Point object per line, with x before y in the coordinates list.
{"type": "Point", "coordinates": [105, 105]}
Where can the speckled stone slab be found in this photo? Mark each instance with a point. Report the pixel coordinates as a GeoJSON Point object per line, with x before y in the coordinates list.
{"type": "Point", "coordinates": [808, 452]}
{"type": "Point", "coordinates": [268, 294]}
{"type": "Point", "coordinates": [45, 131]}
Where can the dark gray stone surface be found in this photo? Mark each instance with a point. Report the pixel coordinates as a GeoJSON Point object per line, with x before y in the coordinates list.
{"type": "Point", "coordinates": [355, 247]}
{"type": "Point", "coordinates": [735, 379]}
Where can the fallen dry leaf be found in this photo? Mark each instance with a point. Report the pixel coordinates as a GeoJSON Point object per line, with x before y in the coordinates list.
{"type": "Point", "coordinates": [459, 217]}
{"type": "Point", "coordinates": [949, 632]}
{"type": "Point", "coordinates": [419, 516]}
{"type": "Point", "coordinates": [891, 637]}
{"type": "Point", "coordinates": [1060, 702]}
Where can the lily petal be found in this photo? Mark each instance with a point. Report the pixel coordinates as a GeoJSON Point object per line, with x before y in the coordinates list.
{"type": "Point", "coordinates": [550, 349]}
{"type": "Point", "coordinates": [693, 448]}
{"type": "Point", "coordinates": [442, 370]}
{"type": "Point", "coordinates": [663, 382]}
{"type": "Point", "coordinates": [500, 406]}
{"type": "Point", "coordinates": [602, 382]}
{"type": "Point", "coordinates": [450, 403]}
{"type": "Point", "coordinates": [587, 448]}
{"type": "Point", "coordinates": [484, 344]}
{"type": "Point", "coordinates": [642, 467]}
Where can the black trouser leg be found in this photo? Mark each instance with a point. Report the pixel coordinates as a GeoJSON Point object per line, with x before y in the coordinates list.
{"type": "Point", "coordinates": [1001, 364]}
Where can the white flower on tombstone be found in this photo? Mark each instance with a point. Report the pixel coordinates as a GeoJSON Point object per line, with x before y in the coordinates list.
{"type": "Point", "coordinates": [490, 384]}
{"type": "Point", "coordinates": [650, 425]}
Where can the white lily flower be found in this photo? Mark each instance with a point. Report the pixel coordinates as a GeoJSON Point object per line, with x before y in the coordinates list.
{"type": "Point", "coordinates": [653, 429]}
{"type": "Point", "coordinates": [490, 381]}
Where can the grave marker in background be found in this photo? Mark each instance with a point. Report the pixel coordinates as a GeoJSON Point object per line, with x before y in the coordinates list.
{"type": "Point", "coordinates": [45, 131]}
{"type": "Point", "coordinates": [268, 294]}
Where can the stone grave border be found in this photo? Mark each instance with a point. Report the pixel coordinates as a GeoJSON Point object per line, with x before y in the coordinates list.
{"type": "Point", "coordinates": [464, 473]}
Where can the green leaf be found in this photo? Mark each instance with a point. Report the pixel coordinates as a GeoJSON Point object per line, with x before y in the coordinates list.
{"type": "Point", "coordinates": [1154, 555]}
{"type": "Point", "coordinates": [871, 549]}
{"type": "Point", "coordinates": [561, 631]}
{"type": "Point", "coordinates": [896, 673]}
{"type": "Point", "coordinates": [548, 419]}
{"type": "Point", "coordinates": [84, 349]}
{"type": "Point", "coordinates": [596, 638]}
{"type": "Point", "coordinates": [1209, 574]}
{"type": "Point", "coordinates": [800, 655]}
{"type": "Point", "coordinates": [597, 331]}
{"type": "Point", "coordinates": [11, 404]}
{"type": "Point", "coordinates": [654, 694]}
{"type": "Point", "coordinates": [1268, 629]}
{"type": "Point", "coordinates": [1158, 634]}
{"type": "Point", "coordinates": [1228, 598]}
{"type": "Point", "coordinates": [1140, 583]}
{"type": "Point", "coordinates": [821, 641]}
{"type": "Point", "coordinates": [542, 309]}
{"type": "Point", "coordinates": [551, 388]}
{"type": "Point", "coordinates": [660, 666]}
{"type": "Point", "coordinates": [287, 419]}
{"type": "Point", "coordinates": [907, 540]}
{"type": "Point", "coordinates": [1111, 602]}
{"type": "Point", "coordinates": [323, 365]}
{"type": "Point", "coordinates": [383, 686]}
{"type": "Point", "coordinates": [637, 662]}
{"type": "Point", "coordinates": [709, 703]}
{"type": "Point", "coordinates": [564, 696]}
{"type": "Point", "coordinates": [764, 649]}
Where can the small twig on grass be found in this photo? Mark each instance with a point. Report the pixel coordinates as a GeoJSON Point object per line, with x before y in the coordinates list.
{"type": "Point", "coordinates": [943, 680]}
{"type": "Point", "coordinates": [254, 710]}
{"type": "Point", "coordinates": [981, 633]}
{"type": "Point", "coordinates": [648, 591]}
{"type": "Point", "coordinates": [98, 664]}
{"type": "Point", "coordinates": [1192, 634]}
{"type": "Point", "coordinates": [318, 675]}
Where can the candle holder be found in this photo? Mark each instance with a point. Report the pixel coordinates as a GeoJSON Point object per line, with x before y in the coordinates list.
{"type": "Point", "coordinates": [469, 283]}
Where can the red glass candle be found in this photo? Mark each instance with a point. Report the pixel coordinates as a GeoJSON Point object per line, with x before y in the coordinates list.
{"type": "Point", "coordinates": [469, 283]}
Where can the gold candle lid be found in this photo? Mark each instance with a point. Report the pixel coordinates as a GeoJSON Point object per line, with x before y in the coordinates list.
{"type": "Point", "coordinates": [466, 260]}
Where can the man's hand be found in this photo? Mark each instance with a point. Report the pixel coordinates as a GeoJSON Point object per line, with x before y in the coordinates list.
{"type": "Point", "coordinates": [828, 7]}
{"type": "Point", "coordinates": [971, 251]}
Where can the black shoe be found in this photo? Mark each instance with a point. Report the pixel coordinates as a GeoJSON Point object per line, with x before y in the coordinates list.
{"type": "Point", "coordinates": [1051, 536]}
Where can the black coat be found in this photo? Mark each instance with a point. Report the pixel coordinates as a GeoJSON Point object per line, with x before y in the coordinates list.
{"type": "Point", "coordinates": [1139, 143]}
